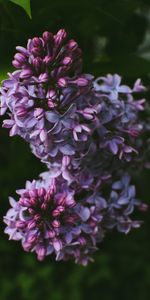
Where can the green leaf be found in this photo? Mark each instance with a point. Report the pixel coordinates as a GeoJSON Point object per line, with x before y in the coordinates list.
{"type": "Point", "coordinates": [25, 4]}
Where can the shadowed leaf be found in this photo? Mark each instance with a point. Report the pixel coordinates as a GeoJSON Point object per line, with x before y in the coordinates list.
{"type": "Point", "coordinates": [25, 4]}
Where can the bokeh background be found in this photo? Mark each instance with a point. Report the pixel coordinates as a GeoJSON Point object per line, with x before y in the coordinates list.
{"type": "Point", "coordinates": [115, 38]}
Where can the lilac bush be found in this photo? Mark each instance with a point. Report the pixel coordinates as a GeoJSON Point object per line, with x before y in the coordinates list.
{"type": "Point", "coordinates": [89, 132]}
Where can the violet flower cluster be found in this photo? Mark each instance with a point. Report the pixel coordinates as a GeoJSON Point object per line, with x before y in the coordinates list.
{"type": "Point", "coordinates": [89, 132]}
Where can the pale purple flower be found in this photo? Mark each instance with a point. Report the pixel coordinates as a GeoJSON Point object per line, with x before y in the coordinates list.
{"type": "Point", "coordinates": [111, 85]}
{"type": "Point", "coordinates": [121, 204]}
{"type": "Point", "coordinates": [138, 86]}
{"type": "Point", "coordinates": [119, 123]}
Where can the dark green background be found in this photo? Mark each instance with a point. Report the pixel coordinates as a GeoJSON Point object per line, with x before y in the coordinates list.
{"type": "Point", "coordinates": [115, 37]}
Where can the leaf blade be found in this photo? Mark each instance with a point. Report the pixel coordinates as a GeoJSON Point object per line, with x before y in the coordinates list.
{"type": "Point", "coordinates": [25, 4]}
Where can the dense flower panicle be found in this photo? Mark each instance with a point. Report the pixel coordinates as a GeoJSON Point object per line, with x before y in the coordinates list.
{"type": "Point", "coordinates": [48, 79]}
{"type": "Point", "coordinates": [41, 125]}
{"type": "Point", "coordinates": [116, 135]}
{"type": "Point", "coordinates": [51, 112]}
{"type": "Point", "coordinates": [61, 115]}
{"type": "Point", "coordinates": [84, 119]}
{"type": "Point", "coordinates": [51, 218]}
{"type": "Point", "coordinates": [89, 132]}
{"type": "Point", "coordinates": [47, 219]}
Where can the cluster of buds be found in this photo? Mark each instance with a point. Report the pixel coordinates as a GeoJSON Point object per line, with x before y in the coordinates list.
{"type": "Point", "coordinates": [89, 133]}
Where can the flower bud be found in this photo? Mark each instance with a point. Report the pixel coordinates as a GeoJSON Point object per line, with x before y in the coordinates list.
{"type": "Point", "coordinates": [20, 224]}
{"type": "Point", "coordinates": [72, 45]}
{"type": "Point", "coordinates": [41, 192]}
{"type": "Point", "coordinates": [55, 213]}
{"type": "Point", "coordinates": [21, 112]}
{"type": "Point", "coordinates": [37, 42]}
{"type": "Point", "coordinates": [33, 193]}
{"type": "Point", "coordinates": [62, 82]}
{"type": "Point", "coordinates": [37, 217]}
{"type": "Point", "coordinates": [82, 241]}
{"type": "Point", "coordinates": [60, 36]}
{"type": "Point", "coordinates": [16, 64]}
{"type": "Point", "coordinates": [67, 61]}
{"type": "Point", "coordinates": [26, 74]}
{"type": "Point", "coordinates": [44, 206]}
{"type": "Point", "coordinates": [41, 252]}
{"type": "Point", "coordinates": [47, 59]}
{"type": "Point", "coordinates": [55, 223]}
{"type": "Point", "coordinates": [33, 201]}
{"type": "Point", "coordinates": [22, 50]}
{"type": "Point", "coordinates": [65, 161]}
{"type": "Point", "coordinates": [32, 239]}
{"type": "Point", "coordinates": [51, 234]}
{"type": "Point", "coordinates": [82, 81]}
{"type": "Point", "coordinates": [36, 51]}
{"type": "Point", "coordinates": [51, 94]}
{"type": "Point", "coordinates": [69, 201]}
{"type": "Point", "coordinates": [37, 63]}
{"type": "Point", "coordinates": [43, 77]}
{"type": "Point", "coordinates": [20, 58]}
{"type": "Point", "coordinates": [24, 202]}
{"type": "Point", "coordinates": [31, 224]}
{"type": "Point", "coordinates": [47, 36]}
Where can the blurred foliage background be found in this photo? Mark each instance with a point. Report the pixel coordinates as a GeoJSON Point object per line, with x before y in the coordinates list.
{"type": "Point", "coordinates": [115, 38]}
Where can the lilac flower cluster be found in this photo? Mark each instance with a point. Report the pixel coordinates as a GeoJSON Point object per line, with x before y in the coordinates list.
{"type": "Point", "coordinates": [49, 218]}
{"type": "Point", "coordinates": [89, 132]}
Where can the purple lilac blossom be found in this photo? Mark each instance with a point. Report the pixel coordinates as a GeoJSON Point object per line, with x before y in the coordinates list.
{"type": "Point", "coordinates": [50, 217]}
{"type": "Point", "coordinates": [83, 118]}
{"type": "Point", "coordinates": [117, 138]}
{"type": "Point", "coordinates": [115, 127]}
{"type": "Point", "coordinates": [62, 112]}
{"type": "Point", "coordinates": [42, 97]}
{"type": "Point", "coordinates": [121, 204]}
{"type": "Point", "coordinates": [52, 131]}
{"type": "Point", "coordinates": [111, 85]}
{"type": "Point", "coordinates": [93, 128]}
{"type": "Point", "coordinates": [85, 130]}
